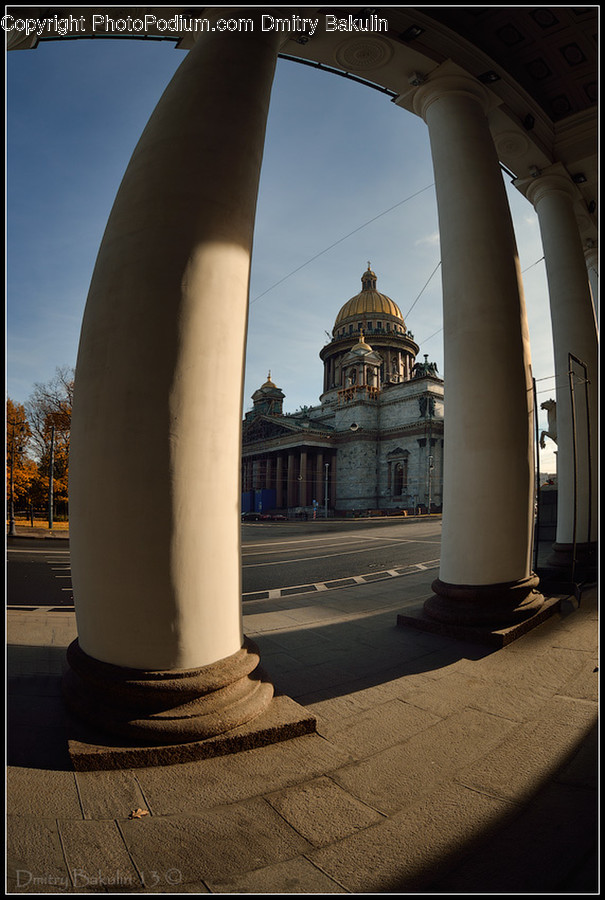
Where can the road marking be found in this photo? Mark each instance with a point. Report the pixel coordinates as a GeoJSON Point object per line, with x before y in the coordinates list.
{"type": "Point", "coordinates": [324, 545]}
{"type": "Point", "coordinates": [249, 549]}
{"type": "Point", "coordinates": [291, 590]}
{"type": "Point", "coordinates": [345, 581]}
{"type": "Point", "coordinates": [47, 552]}
{"type": "Point", "coordinates": [283, 562]}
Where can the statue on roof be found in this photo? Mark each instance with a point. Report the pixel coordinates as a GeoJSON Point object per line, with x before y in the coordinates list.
{"type": "Point", "coordinates": [421, 370]}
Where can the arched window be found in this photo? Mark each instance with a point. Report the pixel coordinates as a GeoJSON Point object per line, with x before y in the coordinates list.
{"type": "Point", "coordinates": [398, 480]}
{"type": "Point", "coordinates": [398, 472]}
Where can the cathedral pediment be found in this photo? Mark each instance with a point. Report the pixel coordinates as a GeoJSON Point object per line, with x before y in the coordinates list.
{"type": "Point", "coordinates": [265, 428]}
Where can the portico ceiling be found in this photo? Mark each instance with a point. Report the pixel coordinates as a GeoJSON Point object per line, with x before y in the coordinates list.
{"type": "Point", "coordinates": [539, 63]}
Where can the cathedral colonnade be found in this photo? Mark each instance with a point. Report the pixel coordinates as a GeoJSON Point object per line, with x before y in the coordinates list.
{"type": "Point", "coordinates": [297, 475]}
{"type": "Point", "coordinates": [161, 653]}
{"type": "Point", "coordinates": [574, 330]}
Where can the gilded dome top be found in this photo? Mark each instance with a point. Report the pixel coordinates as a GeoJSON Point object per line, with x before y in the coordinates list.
{"type": "Point", "coordinates": [361, 344]}
{"type": "Point", "coordinates": [269, 387]}
{"type": "Point", "coordinates": [369, 302]}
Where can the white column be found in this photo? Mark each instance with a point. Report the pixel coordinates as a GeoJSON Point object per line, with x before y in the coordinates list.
{"type": "Point", "coordinates": [155, 443]}
{"type": "Point", "coordinates": [485, 573]}
{"type": "Point", "coordinates": [553, 195]}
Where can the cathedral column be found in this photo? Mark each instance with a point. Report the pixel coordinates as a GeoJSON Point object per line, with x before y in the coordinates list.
{"type": "Point", "coordinates": [279, 485]}
{"type": "Point", "coordinates": [302, 475]}
{"type": "Point", "coordinates": [268, 472]}
{"type": "Point", "coordinates": [160, 654]}
{"type": "Point", "coordinates": [553, 195]}
{"type": "Point", "coordinates": [485, 577]}
{"type": "Point", "coordinates": [332, 475]}
{"type": "Point", "coordinates": [319, 478]}
{"type": "Point", "coordinates": [291, 483]}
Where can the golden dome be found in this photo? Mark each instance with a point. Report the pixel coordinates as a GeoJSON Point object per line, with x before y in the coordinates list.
{"type": "Point", "coordinates": [369, 302]}
{"type": "Point", "coordinates": [361, 344]}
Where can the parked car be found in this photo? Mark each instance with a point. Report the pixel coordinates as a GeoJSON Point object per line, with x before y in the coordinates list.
{"type": "Point", "coordinates": [251, 517]}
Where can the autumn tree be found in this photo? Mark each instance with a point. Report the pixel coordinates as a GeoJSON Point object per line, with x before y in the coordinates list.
{"type": "Point", "coordinates": [20, 468]}
{"type": "Point", "coordinates": [49, 415]}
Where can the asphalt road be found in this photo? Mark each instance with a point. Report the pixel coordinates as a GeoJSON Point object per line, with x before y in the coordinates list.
{"type": "Point", "coordinates": [277, 556]}
{"type": "Point", "coordinates": [274, 555]}
{"type": "Point", "coordinates": [38, 573]}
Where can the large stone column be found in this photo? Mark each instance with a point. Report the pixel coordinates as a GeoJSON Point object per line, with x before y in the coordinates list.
{"type": "Point", "coordinates": [302, 483]}
{"type": "Point", "coordinates": [319, 477]}
{"type": "Point", "coordinates": [155, 442]}
{"type": "Point", "coordinates": [485, 575]}
{"type": "Point", "coordinates": [553, 195]}
{"type": "Point", "coordinates": [279, 482]}
{"type": "Point", "coordinates": [291, 493]}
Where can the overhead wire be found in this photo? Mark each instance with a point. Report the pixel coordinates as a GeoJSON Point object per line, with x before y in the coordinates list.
{"type": "Point", "coordinates": [355, 231]}
{"type": "Point", "coordinates": [423, 289]}
{"type": "Point", "coordinates": [340, 241]}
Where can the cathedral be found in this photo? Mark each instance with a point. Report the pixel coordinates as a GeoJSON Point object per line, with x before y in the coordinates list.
{"type": "Point", "coordinates": [373, 445]}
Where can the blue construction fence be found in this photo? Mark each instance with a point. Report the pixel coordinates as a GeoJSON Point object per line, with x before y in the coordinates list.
{"type": "Point", "coordinates": [258, 501]}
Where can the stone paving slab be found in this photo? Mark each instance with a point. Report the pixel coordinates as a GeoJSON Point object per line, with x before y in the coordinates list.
{"type": "Point", "coordinates": [437, 766]}
{"type": "Point", "coordinates": [397, 776]}
{"type": "Point", "coordinates": [214, 845]}
{"type": "Point", "coordinates": [109, 795]}
{"type": "Point", "coordinates": [97, 856]}
{"type": "Point", "coordinates": [322, 812]}
{"type": "Point", "coordinates": [397, 856]}
{"type": "Point", "coordinates": [377, 728]}
{"type": "Point", "coordinates": [508, 861]}
{"type": "Point", "coordinates": [36, 792]}
{"type": "Point", "coordinates": [196, 787]}
{"type": "Point", "coordinates": [532, 752]}
{"type": "Point", "coordinates": [35, 860]}
{"type": "Point", "coordinates": [295, 876]}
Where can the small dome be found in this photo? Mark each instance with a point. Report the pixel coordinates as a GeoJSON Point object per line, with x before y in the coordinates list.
{"type": "Point", "coordinates": [361, 344]}
{"type": "Point", "coordinates": [369, 302]}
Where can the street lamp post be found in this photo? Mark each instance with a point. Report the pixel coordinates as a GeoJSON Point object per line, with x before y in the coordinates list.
{"type": "Point", "coordinates": [327, 466]}
{"type": "Point", "coordinates": [11, 506]}
{"type": "Point", "coordinates": [50, 477]}
{"type": "Point", "coordinates": [430, 403]}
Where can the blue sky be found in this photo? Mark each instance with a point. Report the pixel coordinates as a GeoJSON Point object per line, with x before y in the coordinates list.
{"type": "Point", "coordinates": [338, 155]}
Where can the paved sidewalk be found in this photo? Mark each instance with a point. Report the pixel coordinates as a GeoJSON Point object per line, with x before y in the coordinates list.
{"type": "Point", "coordinates": [438, 766]}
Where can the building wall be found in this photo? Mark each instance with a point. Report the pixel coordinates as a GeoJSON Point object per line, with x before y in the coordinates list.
{"type": "Point", "coordinates": [381, 449]}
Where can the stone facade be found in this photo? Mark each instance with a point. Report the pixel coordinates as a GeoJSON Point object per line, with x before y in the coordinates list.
{"type": "Point", "coordinates": [375, 440]}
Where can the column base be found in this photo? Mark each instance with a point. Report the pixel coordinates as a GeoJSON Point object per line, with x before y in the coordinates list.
{"type": "Point", "coordinates": [494, 615]}
{"type": "Point", "coordinates": [493, 605]}
{"type": "Point", "coordinates": [166, 707]}
{"type": "Point", "coordinates": [562, 556]}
